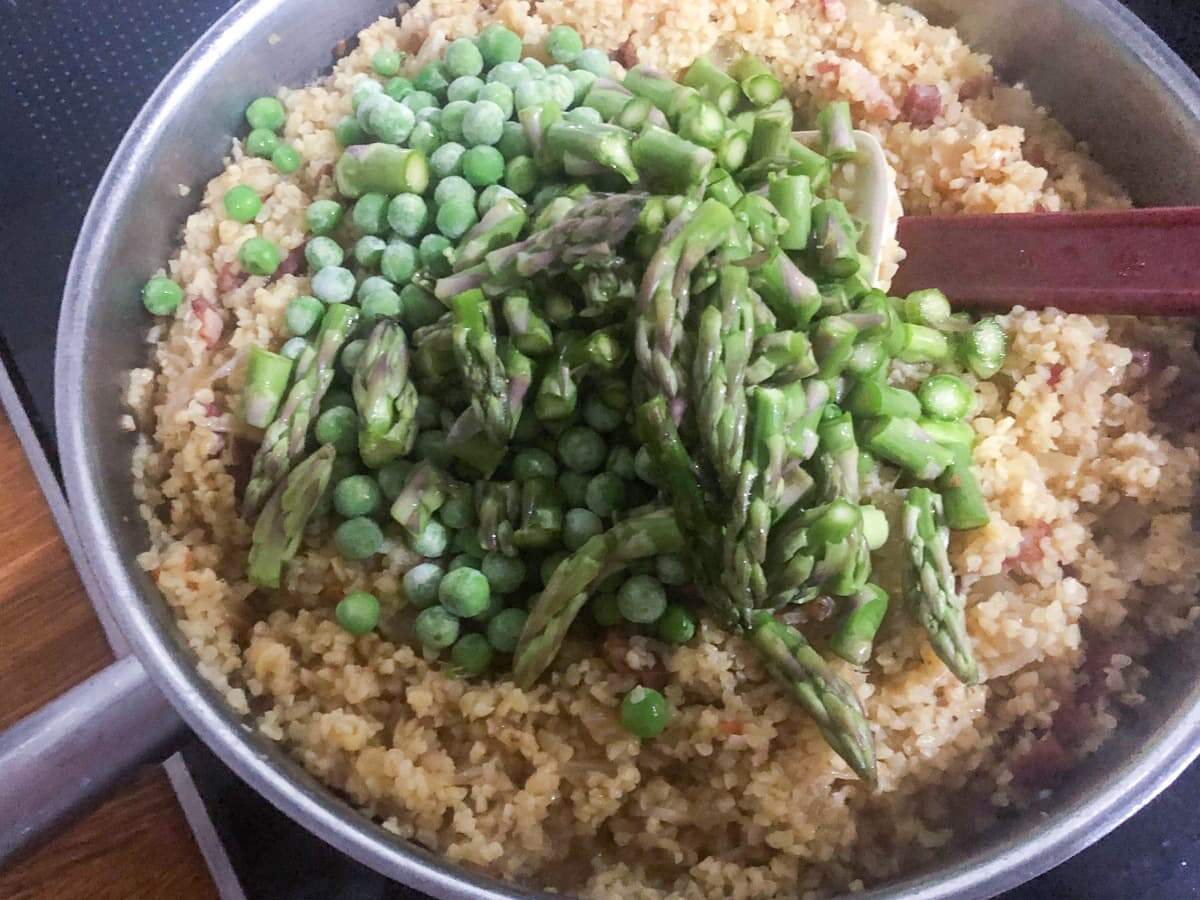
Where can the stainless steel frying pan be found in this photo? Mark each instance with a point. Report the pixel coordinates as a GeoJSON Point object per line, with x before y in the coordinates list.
{"type": "Point", "coordinates": [1101, 71]}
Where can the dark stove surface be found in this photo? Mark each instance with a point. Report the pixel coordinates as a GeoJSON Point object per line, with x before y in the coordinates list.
{"type": "Point", "coordinates": [73, 74]}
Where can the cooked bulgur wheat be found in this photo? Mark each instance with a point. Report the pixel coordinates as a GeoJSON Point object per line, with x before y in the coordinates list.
{"type": "Point", "coordinates": [1090, 532]}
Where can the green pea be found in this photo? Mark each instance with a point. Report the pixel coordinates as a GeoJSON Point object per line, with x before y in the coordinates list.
{"type": "Point", "coordinates": [581, 449]}
{"type": "Point", "coordinates": [620, 463]}
{"type": "Point", "coordinates": [464, 87]}
{"type": "Point", "coordinates": [499, 93]}
{"type": "Point", "coordinates": [456, 218]}
{"type": "Point", "coordinates": [605, 494]}
{"type": "Point", "coordinates": [161, 296]}
{"type": "Point", "coordinates": [358, 495]}
{"type": "Point", "coordinates": [671, 569]}
{"type": "Point", "coordinates": [261, 143]}
{"type": "Point", "coordinates": [370, 213]}
{"type": "Point", "coordinates": [483, 123]}
{"type": "Point", "coordinates": [492, 193]}
{"type": "Point", "coordinates": [432, 79]}
{"type": "Point", "coordinates": [436, 628]}
{"type": "Point", "coordinates": [337, 397]}
{"type": "Point", "coordinates": [504, 630]}
{"type": "Point", "coordinates": [504, 573]}
{"type": "Point", "coordinates": [535, 67]}
{"type": "Point", "coordinates": [351, 354]}
{"type": "Point", "coordinates": [464, 592]}
{"type": "Point", "coordinates": [333, 284]}
{"type": "Point", "coordinates": [421, 584]}
{"type": "Point", "coordinates": [266, 112]}
{"type": "Point", "coordinates": [242, 203]}
{"type": "Point", "coordinates": [467, 541]}
{"type": "Point", "coordinates": [531, 93]}
{"type": "Point", "coordinates": [454, 189]}
{"type": "Point", "coordinates": [601, 417]}
{"type": "Point", "coordinates": [458, 511]}
{"type": "Point", "coordinates": [452, 119]}
{"type": "Point", "coordinates": [368, 251]}
{"type": "Point", "coordinates": [533, 462]}
{"type": "Point", "coordinates": [431, 445]}
{"type": "Point", "coordinates": [498, 44]}
{"type": "Point", "coordinates": [560, 90]}
{"type": "Point", "coordinates": [358, 538]}
{"type": "Point", "coordinates": [392, 477]}
{"type": "Point", "coordinates": [408, 215]}
{"type": "Point", "coordinates": [391, 121]}
{"type": "Point", "coordinates": [605, 610]}
{"type": "Point", "coordinates": [382, 303]}
{"type": "Point", "coordinates": [338, 426]}
{"type": "Point", "coordinates": [462, 57]}
{"type": "Point", "coordinates": [363, 89]}
{"type": "Point", "coordinates": [259, 256]}
{"type": "Point", "coordinates": [582, 80]}
{"type": "Point", "coordinates": [593, 60]}
{"type": "Point", "coordinates": [358, 613]}
{"type": "Point", "coordinates": [303, 314]}
{"type": "Point", "coordinates": [398, 262]}
{"type": "Point", "coordinates": [419, 307]}
{"type": "Point", "coordinates": [676, 626]}
{"type": "Point", "coordinates": [584, 114]}
{"type": "Point", "coordinates": [426, 137]}
{"type": "Point", "coordinates": [471, 655]}
{"type": "Point", "coordinates": [513, 141]}
{"type": "Point", "coordinates": [322, 216]}
{"type": "Point", "coordinates": [429, 412]}
{"type": "Point", "coordinates": [510, 74]}
{"type": "Point", "coordinates": [645, 712]}
{"type": "Point", "coordinates": [642, 599]}
{"type": "Point", "coordinates": [447, 159]}
{"type": "Point", "coordinates": [398, 88]}
{"type": "Point", "coordinates": [292, 348]}
{"type": "Point", "coordinates": [322, 252]}
{"type": "Point", "coordinates": [574, 487]}
{"type": "Point", "coordinates": [562, 43]}
{"type": "Point", "coordinates": [432, 540]}
{"type": "Point", "coordinates": [483, 165]}
{"type": "Point", "coordinates": [580, 526]}
{"type": "Point", "coordinates": [644, 466]}
{"type": "Point", "coordinates": [419, 99]}
{"type": "Point", "coordinates": [386, 61]}
{"type": "Point", "coordinates": [349, 133]}
{"type": "Point", "coordinates": [286, 159]}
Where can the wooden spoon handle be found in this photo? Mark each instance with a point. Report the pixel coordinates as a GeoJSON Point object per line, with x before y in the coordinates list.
{"type": "Point", "coordinates": [1140, 262]}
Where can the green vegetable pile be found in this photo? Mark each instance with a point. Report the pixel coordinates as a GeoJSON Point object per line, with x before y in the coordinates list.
{"type": "Point", "coordinates": [588, 342]}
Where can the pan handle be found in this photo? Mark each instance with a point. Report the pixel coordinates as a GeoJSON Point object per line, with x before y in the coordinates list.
{"type": "Point", "coordinates": [64, 758]}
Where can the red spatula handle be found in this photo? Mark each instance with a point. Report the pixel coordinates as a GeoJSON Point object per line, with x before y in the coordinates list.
{"type": "Point", "coordinates": [1130, 262]}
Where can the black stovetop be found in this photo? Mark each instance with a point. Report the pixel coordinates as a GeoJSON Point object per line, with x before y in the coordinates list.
{"type": "Point", "coordinates": [72, 76]}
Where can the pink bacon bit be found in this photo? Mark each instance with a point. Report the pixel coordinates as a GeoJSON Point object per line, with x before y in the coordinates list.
{"type": "Point", "coordinates": [1042, 764]}
{"type": "Point", "coordinates": [292, 263]}
{"type": "Point", "coordinates": [1056, 374]}
{"type": "Point", "coordinates": [922, 105]}
{"type": "Point", "coordinates": [975, 87]}
{"type": "Point", "coordinates": [212, 326]}
{"type": "Point", "coordinates": [626, 54]}
{"type": "Point", "coordinates": [230, 278]}
{"type": "Point", "coordinates": [834, 11]}
{"type": "Point", "coordinates": [1030, 552]}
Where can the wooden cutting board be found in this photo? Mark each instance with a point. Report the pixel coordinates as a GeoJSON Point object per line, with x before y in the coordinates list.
{"type": "Point", "coordinates": [138, 844]}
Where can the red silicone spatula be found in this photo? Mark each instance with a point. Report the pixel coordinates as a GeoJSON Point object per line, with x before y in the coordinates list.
{"type": "Point", "coordinates": [1130, 262]}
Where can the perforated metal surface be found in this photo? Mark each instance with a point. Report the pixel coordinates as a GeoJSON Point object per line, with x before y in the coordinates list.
{"type": "Point", "coordinates": [72, 76]}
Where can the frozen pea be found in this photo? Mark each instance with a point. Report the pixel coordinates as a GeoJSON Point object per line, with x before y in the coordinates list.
{"type": "Point", "coordinates": [398, 262]}
{"type": "Point", "coordinates": [584, 114]}
{"type": "Point", "coordinates": [462, 57]}
{"type": "Point", "coordinates": [452, 118]}
{"type": "Point", "coordinates": [454, 188]}
{"type": "Point", "coordinates": [364, 110]}
{"type": "Point", "coordinates": [333, 284]}
{"type": "Point", "coordinates": [514, 141]}
{"type": "Point", "coordinates": [371, 285]}
{"type": "Point", "coordinates": [582, 80]}
{"type": "Point", "coordinates": [447, 159]}
{"type": "Point", "coordinates": [368, 249]}
{"type": "Point", "coordinates": [380, 303]}
{"type": "Point", "coordinates": [392, 122]}
{"type": "Point", "coordinates": [490, 194]}
{"type": "Point", "coordinates": [364, 86]}
{"type": "Point", "coordinates": [510, 73]}
{"type": "Point", "coordinates": [499, 45]}
{"type": "Point", "coordinates": [562, 91]}
{"type": "Point", "coordinates": [370, 213]}
{"type": "Point", "coordinates": [432, 78]}
{"type": "Point", "coordinates": [535, 67]}
{"type": "Point", "coordinates": [321, 252]}
{"type": "Point", "coordinates": [464, 87]}
{"type": "Point", "coordinates": [594, 60]}
{"type": "Point", "coordinates": [531, 93]}
{"type": "Point", "coordinates": [426, 137]}
{"type": "Point", "coordinates": [483, 123]}
{"type": "Point", "coordinates": [408, 215]}
{"type": "Point", "coordinates": [499, 93]}
{"type": "Point", "coordinates": [418, 100]}
{"type": "Point", "coordinates": [562, 43]}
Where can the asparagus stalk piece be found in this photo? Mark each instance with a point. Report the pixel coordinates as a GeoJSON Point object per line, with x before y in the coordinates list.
{"type": "Point", "coordinates": [541, 515]}
{"type": "Point", "coordinates": [385, 397]}
{"type": "Point", "coordinates": [903, 442]}
{"type": "Point", "coordinates": [280, 528]}
{"type": "Point", "coordinates": [669, 162]}
{"type": "Point", "coordinates": [854, 638]}
{"type": "Point", "coordinates": [284, 441]}
{"type": "Point", "coordinates": [497, 507]}
{"type": "Point", "coordinates": [433, 356]}
{"type": "Point", "coordinates": [792, 196]}
{"type": "Point", "coordinates": [380, 168]}
{"type": "Point", "coordinates": [497, 394]}
{"type": "Point", "coordinates": [984, 347]}
{"type": "Point", "coordinates": [836, 238]}
{"type": "Point", "coordinates": [702, 123]}
{"type": "Point", "coordinates": [840, 450]}
{"type": "Point", "coordinates": [962, 498]}
{"type": "Point", "coordinates": [557, 393]}
{"type": "Point", "coordinates": [831, 702]}
{"type": "Point", "coordinates": [781, 357]}
{"type": "Point", "coordinates": [639, 537]}
{"type": "Point", "coordinates": [871, 399]}
{"type": "Point", "coordinates": [758, 83]}
{"type": "Point", "coordinates": [530, 333]}
{"type": "Point", "coordinates": [669, 96]}
{"type": "Point", "coordinates": [791, 295]}
{"type": "Point", "coordinates": [929, 588]}
{"type": "Point", "coordinates": [608, 146]}
{"type": "Point", "coordinates": [608, 101]}
{"type": "Point", "coordinates": [837, 140]}
{"type": "Point", "coordinates": [423, 494]}
{"type": "Point", "coordinates": [833, 343]}
{"type": "Point", "coordinates": [499, 227]}
{"type": "Point", "coordinates": [266, 382]}
{"type": "Point", "coordinates": [665, 295]}
{"type": "Point", "coordinates": [714, 85]}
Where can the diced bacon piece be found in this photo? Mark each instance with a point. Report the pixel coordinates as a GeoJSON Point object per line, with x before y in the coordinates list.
{"type": "Point", "coordinates": [1030, 552]}
{"type": "Point", "coordinates": [211, 324]}
{"type": "Point", "coordinates": [834, 11]}
{"type": "Point", "coordinates": [922, 105]}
